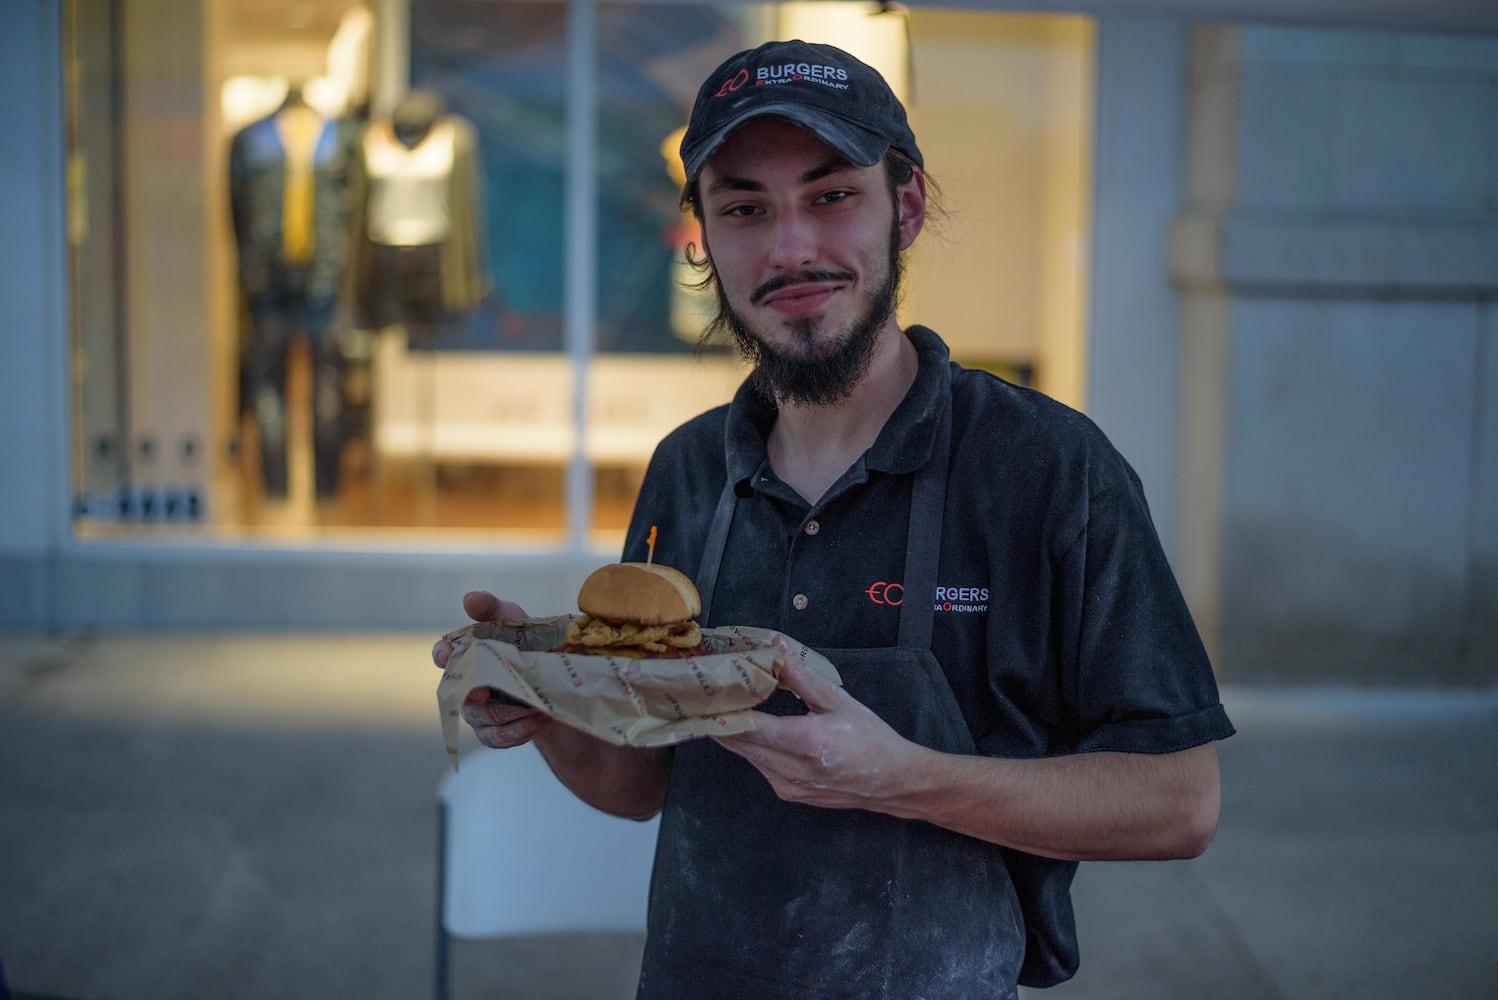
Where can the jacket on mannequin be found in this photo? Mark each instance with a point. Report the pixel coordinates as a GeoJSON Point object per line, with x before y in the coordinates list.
{"type": "Point", "coordinates": [289, 197]}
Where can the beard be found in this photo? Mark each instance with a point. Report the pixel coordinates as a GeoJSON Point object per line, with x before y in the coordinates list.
{"type": "Point", "coordinates": [805, 371]}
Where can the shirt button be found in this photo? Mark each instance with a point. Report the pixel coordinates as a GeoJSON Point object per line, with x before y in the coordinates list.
{"type": "Point", "coordinates": [812, 527]}
{"type": "Point", "coordinates": [799, 602]}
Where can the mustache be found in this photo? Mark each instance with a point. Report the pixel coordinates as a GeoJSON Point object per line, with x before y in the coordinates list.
{"type": "Point", "coordinates": [780, 281]}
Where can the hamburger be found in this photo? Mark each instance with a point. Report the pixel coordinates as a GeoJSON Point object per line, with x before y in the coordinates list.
{"type": "Point", "coordinates": [638, 610]}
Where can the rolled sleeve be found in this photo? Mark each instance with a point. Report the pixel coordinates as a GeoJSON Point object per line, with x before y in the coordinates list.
{"type": "Point", "coordinates": [1160, 735]}
{"type": "Point", "coordinates": [1143, 681]}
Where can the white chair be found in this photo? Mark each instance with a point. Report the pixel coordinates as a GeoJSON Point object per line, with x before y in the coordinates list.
{"type": "Point", "coordinates": [566, 867]}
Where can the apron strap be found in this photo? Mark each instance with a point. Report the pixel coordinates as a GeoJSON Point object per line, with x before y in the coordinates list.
{"type": "Point", "coordinates": [928, 500]}
{"type": "Point", "coordinates": [928, 497]}
{"type": "Point", "coordinates": [712, 549]}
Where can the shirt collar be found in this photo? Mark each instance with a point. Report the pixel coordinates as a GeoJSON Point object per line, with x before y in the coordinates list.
{"type": "Point", "coordinates": [904, 444]}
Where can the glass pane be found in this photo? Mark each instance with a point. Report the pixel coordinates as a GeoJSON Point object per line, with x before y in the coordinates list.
{"type": "Point", "coordinates": [648, 376]}
{"type": "Point", "coordinates": [1001, 109]}
{"type": "Point", "coordinates": [485, 405]}
{"type": "Point", "coordinates": [318, 272]}
{"type": "Point", "coordinates": [316, 281]}
{"type": "Point", "coordinates": [1001, 104]}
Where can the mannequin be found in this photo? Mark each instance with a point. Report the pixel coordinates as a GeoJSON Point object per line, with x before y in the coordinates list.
{"type": "Point", "coordinates": [289, 194]}
{"type": "Point", "coordinates": [418, 251]}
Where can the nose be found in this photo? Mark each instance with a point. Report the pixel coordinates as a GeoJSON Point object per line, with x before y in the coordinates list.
{"type": "Point", "coordinates": [793, 243]}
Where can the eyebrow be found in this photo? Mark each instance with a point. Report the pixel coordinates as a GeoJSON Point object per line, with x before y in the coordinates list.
{"type": "Point", "coordinates": [836, 165]}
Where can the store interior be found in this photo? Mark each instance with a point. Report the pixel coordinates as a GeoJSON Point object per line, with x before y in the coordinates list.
{"type": "Point", "coordinates": [320, 280]}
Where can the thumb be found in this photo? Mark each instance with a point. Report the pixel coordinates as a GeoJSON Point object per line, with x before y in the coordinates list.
{"type": "Point", "coordinates": [819, 694]}
{"type": "Point", "coordinates": [483, 606]}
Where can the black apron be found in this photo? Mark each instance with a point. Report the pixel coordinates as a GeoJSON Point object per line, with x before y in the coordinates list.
{"type": "Point", "coordinates": [753, 897]}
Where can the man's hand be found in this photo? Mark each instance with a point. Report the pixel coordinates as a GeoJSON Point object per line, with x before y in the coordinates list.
{"type": "Point", "coordinates": [839, 756]}
{"type": "Point", "coordinates": [497, 724]}
{"type": "Point", "coordinates": [1081, 807]}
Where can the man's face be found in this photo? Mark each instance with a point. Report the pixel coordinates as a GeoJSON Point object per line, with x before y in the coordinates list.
{"type": "Point", "coordinates": [805, 251]}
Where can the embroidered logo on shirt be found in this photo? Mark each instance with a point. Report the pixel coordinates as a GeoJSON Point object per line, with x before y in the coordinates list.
{"type": "Point", "coordinates": [962, 600]}
{"type": "Point", "coordinates": [959, 600]}
{"type": "Point", "coordinates": [886, 593]}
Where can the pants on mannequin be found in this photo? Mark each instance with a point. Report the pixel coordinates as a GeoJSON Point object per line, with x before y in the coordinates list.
{"type": "Point", "coordinates": [276, 317]}
{"type": "Point", "coordinates": [407, 292]}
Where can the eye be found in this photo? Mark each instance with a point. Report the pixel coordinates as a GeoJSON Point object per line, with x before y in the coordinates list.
{"type": "Point", "coordinates": [738, 210]}
{"type": "Point", "coordinates": [833, 197]}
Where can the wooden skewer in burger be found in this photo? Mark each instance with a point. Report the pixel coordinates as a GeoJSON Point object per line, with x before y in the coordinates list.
{"type": "Point", "coordinates": [638, 610]}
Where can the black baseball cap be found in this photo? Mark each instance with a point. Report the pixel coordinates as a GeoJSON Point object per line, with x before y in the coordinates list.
{"type": "Point", "coordinates": [844, 101]}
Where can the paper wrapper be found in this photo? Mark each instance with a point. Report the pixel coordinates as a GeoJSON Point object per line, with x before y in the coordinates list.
{"type": "Point", "coordinates": [627, 702]}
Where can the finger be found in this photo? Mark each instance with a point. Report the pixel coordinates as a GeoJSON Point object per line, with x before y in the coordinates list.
{"type": "Point", "coordinates": [482, 606]}
{"type": "Point", "coordinates": [789, 651]}
{"type": "Point", "coordinates": [742, 743]}
{"type": "Point", "coordinates": [770, 732]}
{"type": "Point", "coordinates": [513, 734]}
{"type": "Point", "coordinates": [495, 713]}
{"type": "Point", "coordinates": [819, 694]}
{"type": "Point", "coordinates": [751, 746]}
{"type": "Point", "coordinates": [478, 695]}
{"type": "Point", "coordinates": [441, 653]}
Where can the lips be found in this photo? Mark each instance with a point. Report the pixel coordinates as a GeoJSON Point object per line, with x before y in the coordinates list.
{"type": "Point", "coordinates": [798, 300]}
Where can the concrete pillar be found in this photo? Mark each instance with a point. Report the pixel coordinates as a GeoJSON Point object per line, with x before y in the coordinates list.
{"type": "Point", "coordinates": [1337, 258]}
{"type": "Point", "coordinates": [33, 438]}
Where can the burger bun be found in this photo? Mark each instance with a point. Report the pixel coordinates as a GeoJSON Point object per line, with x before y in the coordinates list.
{"type": "Point", "coordinates": [643, 593]}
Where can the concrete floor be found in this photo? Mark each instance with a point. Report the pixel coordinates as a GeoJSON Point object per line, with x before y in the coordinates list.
{"type": "Point", "coordinates": [225, 816]}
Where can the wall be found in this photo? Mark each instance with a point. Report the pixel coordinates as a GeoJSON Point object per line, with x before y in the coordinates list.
{"type": "Point", "coordinates": [1336, 260]}
{"type": "Point", "coordinates": [33, 330]}
{"type": "Point", "coordinates": [1133, 331]}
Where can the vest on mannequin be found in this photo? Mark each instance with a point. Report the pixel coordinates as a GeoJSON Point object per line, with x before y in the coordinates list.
{"type": "Point", "coordinates": [419, 248]}
{"type": "Point", "coordinates": [410, 164]}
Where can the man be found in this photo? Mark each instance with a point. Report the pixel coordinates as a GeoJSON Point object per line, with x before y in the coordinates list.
{"type": "Point", "coordinates": [1022, 685]}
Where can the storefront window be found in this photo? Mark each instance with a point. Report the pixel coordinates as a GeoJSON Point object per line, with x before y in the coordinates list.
{"type": "Point", "coordinates": [323, 285]}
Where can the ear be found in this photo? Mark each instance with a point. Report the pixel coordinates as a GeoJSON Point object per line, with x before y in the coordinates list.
{"type": "Point", "coordinates": [910, 203]}
{"type": "Point", "coordinates": [707, 251]}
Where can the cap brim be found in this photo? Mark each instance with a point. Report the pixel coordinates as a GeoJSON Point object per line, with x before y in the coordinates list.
{"type": "Point", "coordinates": [858, 144]}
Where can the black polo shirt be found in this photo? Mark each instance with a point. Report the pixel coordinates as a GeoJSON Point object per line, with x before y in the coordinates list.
{"type": "Point", "coordinates": [1058, 620]}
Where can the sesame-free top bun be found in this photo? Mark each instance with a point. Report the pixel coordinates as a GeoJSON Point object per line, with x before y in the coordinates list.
{"type": "Point", "coordinates": [645, 593]}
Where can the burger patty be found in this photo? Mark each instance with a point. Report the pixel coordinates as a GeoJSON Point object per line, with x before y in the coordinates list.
{"type": "Point", "coordinates": [588, 633]}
